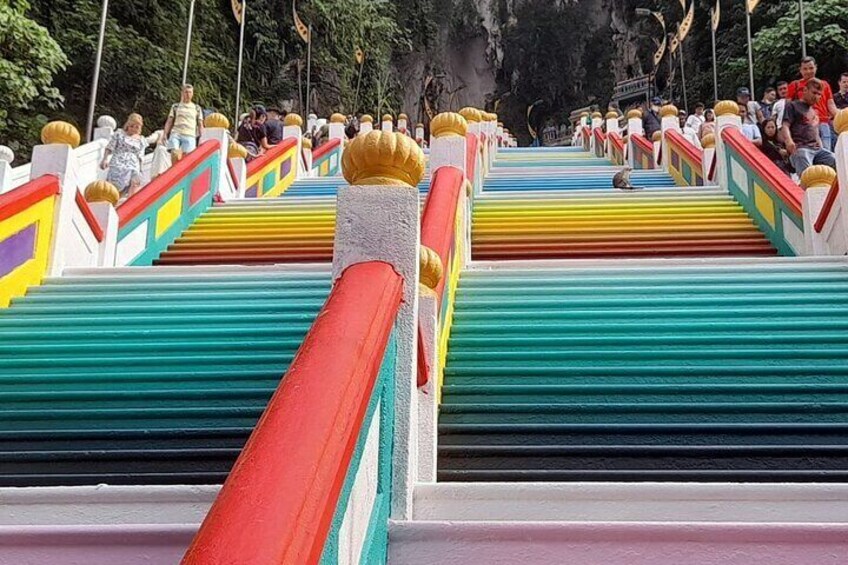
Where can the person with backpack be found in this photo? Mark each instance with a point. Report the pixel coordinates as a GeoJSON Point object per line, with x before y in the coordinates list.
{"type": "Point", "coordinates": [184, 124]}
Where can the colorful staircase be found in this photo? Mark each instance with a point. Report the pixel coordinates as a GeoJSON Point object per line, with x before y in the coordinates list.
{"type": "Point", "coordinates": [298, 227]}
{"type": "Point", "coordinates": [145, 375]}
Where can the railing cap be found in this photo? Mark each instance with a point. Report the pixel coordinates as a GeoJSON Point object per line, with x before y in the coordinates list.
{"type": "Point", "coordinates": [448, 123]}
{"type": "Point", "coordinates": [383, 158]}
{"type": "Point", "coordinates": [817, 176]}
{"type": "Point", "coordinates": [60, 133]}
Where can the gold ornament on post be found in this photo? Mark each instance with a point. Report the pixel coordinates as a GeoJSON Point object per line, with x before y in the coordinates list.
{"type": "Point", "coordinates": [726, 108]}
{"type": "Point", "coordinates": [471, 115]}
{"type": "Point", "coordinates": [385, 159]}
{"type": "Point", "coordinates": [817, 176]}
{"type": "Point", "coordinates": [840, 122]}
{"type": "Point", "coordinates": [448, 123]}
{"type": "Point", "coordinates": [597, 115]}
{"type": "Point", "coordinates": [611, 116]}
{"type": "Point", "coordinates": [668, 111]}
{"type": "Point", "coordinates": [217, 120]}
{"type": "Point", "coordinates": [60, 133]}
{"type": "Point", "coordinates": [307, 143]}
{"type": "Point", "coordinates": [430, 267]}
{"type": "Point", "coordinates": [388, 118]}
{"type": "Point", "coordinates": [709, 141]}
{"type": "Point", "coordinates": [634, 115]}
{"type": "Point", "coordinates": [366, 119]}
{"type": "Point", "coordinates": [102, 191]}
{"type": "Point", "coordinates": [293, 120]}
{"type": "Point", "coordinates": [657, 136]}
{"type": "Point", "coordinates": [337, 118]}
{"type": "Point", "coordinates": [236, 151]}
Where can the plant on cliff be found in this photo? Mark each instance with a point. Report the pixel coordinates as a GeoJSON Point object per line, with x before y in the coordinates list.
{"type": "Point", "coordinates": [29, 59]}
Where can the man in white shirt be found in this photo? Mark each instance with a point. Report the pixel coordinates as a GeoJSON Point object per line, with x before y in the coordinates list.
{"type": "Point", "coordinates": [779, 107]}
{"type": "Point", "coordinates": [749, 130]}
{"type": "Point", "coordinates": [696, 120]}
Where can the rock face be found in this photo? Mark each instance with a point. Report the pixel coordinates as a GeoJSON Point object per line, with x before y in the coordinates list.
{"type": "Point", "coordinates": [511, 53]}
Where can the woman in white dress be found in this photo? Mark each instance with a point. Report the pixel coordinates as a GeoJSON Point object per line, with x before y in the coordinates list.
{"type": "Point", "coordinates": [126, 148]}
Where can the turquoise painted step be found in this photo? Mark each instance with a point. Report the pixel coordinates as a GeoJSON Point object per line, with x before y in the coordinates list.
{"type": "Point", "coordinates": [145, 376]}
{"type": "Point", "coordinates": [649, 371]}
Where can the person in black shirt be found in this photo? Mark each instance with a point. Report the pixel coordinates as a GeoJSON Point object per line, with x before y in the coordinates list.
{"type": "Point", "coordinates": [251, 133]}
{"type": "Point", "coordinates": [841, 98]}
{"type": "Point", "coordinates": [800, 130]}
{"type": "Point", "coordinates": [651, 118]}
{"type": "Point", "coordinates": [274, 125]}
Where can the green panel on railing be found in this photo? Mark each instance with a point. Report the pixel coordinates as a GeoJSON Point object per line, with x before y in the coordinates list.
{"type": "Point", "coordinates": [381, 406]}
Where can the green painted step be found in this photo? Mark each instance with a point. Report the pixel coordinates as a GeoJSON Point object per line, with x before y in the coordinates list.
{"type": "Point", "coordinates": [145, 376]}
{"type": "Point", "coordinates": [649, 370]}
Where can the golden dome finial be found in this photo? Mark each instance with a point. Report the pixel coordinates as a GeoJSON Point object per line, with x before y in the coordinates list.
{"type": "Point", "coordinates": [471, 115]}
{"type": "Point", "coordinates": [337, 118]}
{"type": "Point", "coordinates": [383, 158]}
{"type": "Point", "coordinates": [366, 119]}
{"type": "Point", "coordinates": [634, 114]}
{"type": "Point", "coordinates": [60, 133]}
{"type": "Point", "coordinates": [817, 176]}
{"type": "Point", "coordinates": [217, 120]}
{"type": "Point", "coordinates": [307, 143]}
{"type": "Point", "coordinates": [102, 191]}
{"type": "Point", "coordinates": [236, 150]}
{"type": "Point", "coordinates": [840, 122]}
{"type": "Point", "coordinates": [293, 120]}
{"type": "Point", "coordinates": [668, 111]}
{"type": "Point", "coordinates": [708, 141]}
{"type": "Point", "coordinates": [430, 267]}
{"type": "Point", "coordinates": [448, 123]}
{"type": "Point", "coordinates": [726, 108]}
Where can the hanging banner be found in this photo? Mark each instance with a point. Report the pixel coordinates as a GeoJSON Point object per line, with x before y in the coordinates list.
{"type": "Point", "coordinates": [660, 51]}
{"type": "Point", "coordinates": [686, 24]}
{"type": "Point", "coordinates": [533, 133]}
{"type": "Point", "coordinates": [683, 4]}
{"type": "Point", "coordinates": [238, 9]}
{"type": "Point", "coordinates": [302, 29]}
{"type": "Point", "coordinates": [752, 5]}
{"type": "Point", "coordinates": [359, 56]}
{"type": "Point", "coordinates": [716, 15]}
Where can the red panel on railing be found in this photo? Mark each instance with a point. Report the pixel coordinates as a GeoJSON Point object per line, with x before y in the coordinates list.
{"type": "Point", "coordinates": [600, 135]}
{"type": "Point", "coordinates": [472, 147]}
{"type": "Point", "coordinates": [89, 216]}
{"type": "Point", "coordinates": [266, 158]}
{"type": "Point", "coordinates": [438, 221]}
{"type": "Point", "coordinates": [643, 143]}
{"type": "Point", "coordinates": [138, 202]}
{"type": "Point", "coordinates": [690, 151]}
{"type": "Point", "coordinates": [828, 205]}
{"type": "Point", "coordinates": [788, 191]}
{"type": "Point", "coordinates": [278, 502]}
{"type": "Point", "coordinates": [326, 148]}
{"type": "Point", "coordinates": [616, 140]}
{"type": "Point", "coordinates": [24, 196]}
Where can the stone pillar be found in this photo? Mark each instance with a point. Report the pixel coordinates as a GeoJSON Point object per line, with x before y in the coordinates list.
{"type": "Point", "coordinates": [108, 219]}
{"type": "Point", "coordinates": [217, 127]}
{"type": "Point", "coordinates": [311, 122]}
{"type": "Point", "coordinates": [307, 157]}
{"type": "Point", "coordinates": [403, 124]}
{"type": "Point", "coordinates": [840, 124]}
{"type": "Point", "coordinates": [709, 145]}
{"type": "Point", "coordinates": [612, 127]}
{"type": "Point", "coordinates": [634, 126]}
{"type": "Point", "coordinates": [388, 123]}
{"type": "Point", "coordinates": [106, 126]}
{"type": "Point", "coordinates": [366, 124]}
{"type": "Point", "coordinates": [816, 182]}
{"type": "Point", "coordinates": [293, 129]}
{"type": "Point", "coordinates": [669, 120]}
{"type": "Point", "coordinates": [596, 123]}
{"type": "Point", "coordinates": [448, 144]}
{"type": "Point", "coordinates": [378, 220]}
{"type": "Point", "coordinates": [419, 135]}
{"type": "Point", "coordinates": [432, 271]}
{"type": "Point", "coordinates": [727, 116]}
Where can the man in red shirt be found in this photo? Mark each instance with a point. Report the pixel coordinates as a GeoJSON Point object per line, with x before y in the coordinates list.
{"type": "Point", "coordinates": [825, 107]}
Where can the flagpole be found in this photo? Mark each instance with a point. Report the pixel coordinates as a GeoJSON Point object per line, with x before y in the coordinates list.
{"type": "Point", "coordinates": [750, 51]}
{"type": "Point", "coordinates": [358, 85]}
{"type": "Point", "coordinates": [240, 61]}
{"type": "Point", "coordinates": [715, 60]}
{"type": "Point", "coordinates": [95, 81]}
{"type": "Point", "coordinates": [670, 69]}
{"type": "Point", "coordinates": [188, 41]}
{"type": "Point", "coordinates": [682, 73]}
{"type": "Point", "coordinates": [308, 73]}
{"type": "Point", "coordinates": [803, 28]}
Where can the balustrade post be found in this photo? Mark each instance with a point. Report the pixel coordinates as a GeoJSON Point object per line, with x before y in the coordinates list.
{"type": "Point", "coordinates": [669, 120]}
{"type": "Point", "coordinates": [634, 127]}
{"type": "Point", "coordinates": [217, 127]}
{"type": "Point", "coordinates": [378, 220]}
{"type": "Point", "coordinates": [337, 128]}
{"type": "Point", "coordinates": [727, 116]}
{"type": "Point", "coordinates": [6, 158]}
{"type": "Point", "coordinates": [293, 129]}
{"type": "Point", "coordinates": [366, 124]}
{"type": "Point", "coordinates": [388, 123]}
{"type": "Point", "coordinates": [840, 124]}
{"type": "Point", "coordinates": [419, 135]}
{"type": "Point", "coordinates": [596, 123]}
{"type": "Point", "coordinates": [816, 182]}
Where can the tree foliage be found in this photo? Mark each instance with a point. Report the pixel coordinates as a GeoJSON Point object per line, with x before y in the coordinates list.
{"type": "Point", "coordinates": [29, 59]}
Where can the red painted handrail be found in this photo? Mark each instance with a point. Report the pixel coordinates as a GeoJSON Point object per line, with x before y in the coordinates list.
{"type": "Point", "coordinates": [788, 191]}
{"type": "Point", "coordinates": [643, 143]}
{"type": "Point", "coordinates": [277, 504]}
{"type": "Point", "coordinates": [600, 135]}
{"type": "Point", "coordinates": [616, 140]}
{"type": "Point", "coordinates": [158, 187]}
{"type": "Point", "coordinates": [828, 205]}
{"type": "Point", "coordinates": [269, 156]}
{"type": "Point", "coordinates": [324, 149]}
{"type": "Point", "coordinates": [89, 216]}
{"type": "Point", "coordinates": [472, 147]}
{"type": "Point", "coordinates": [686, 148]}
{"type": "Point", "coordinates": [438, 220]}
{"type": "Point", "coordinates": [27, 195]}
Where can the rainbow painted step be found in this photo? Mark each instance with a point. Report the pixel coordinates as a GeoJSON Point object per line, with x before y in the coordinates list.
{"type": "Point", "coordinates": [646, 370]}
{"type": "Point", "coordinates": [677, 222]}
{"type": "Point", "coordinates": [145, 375]}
